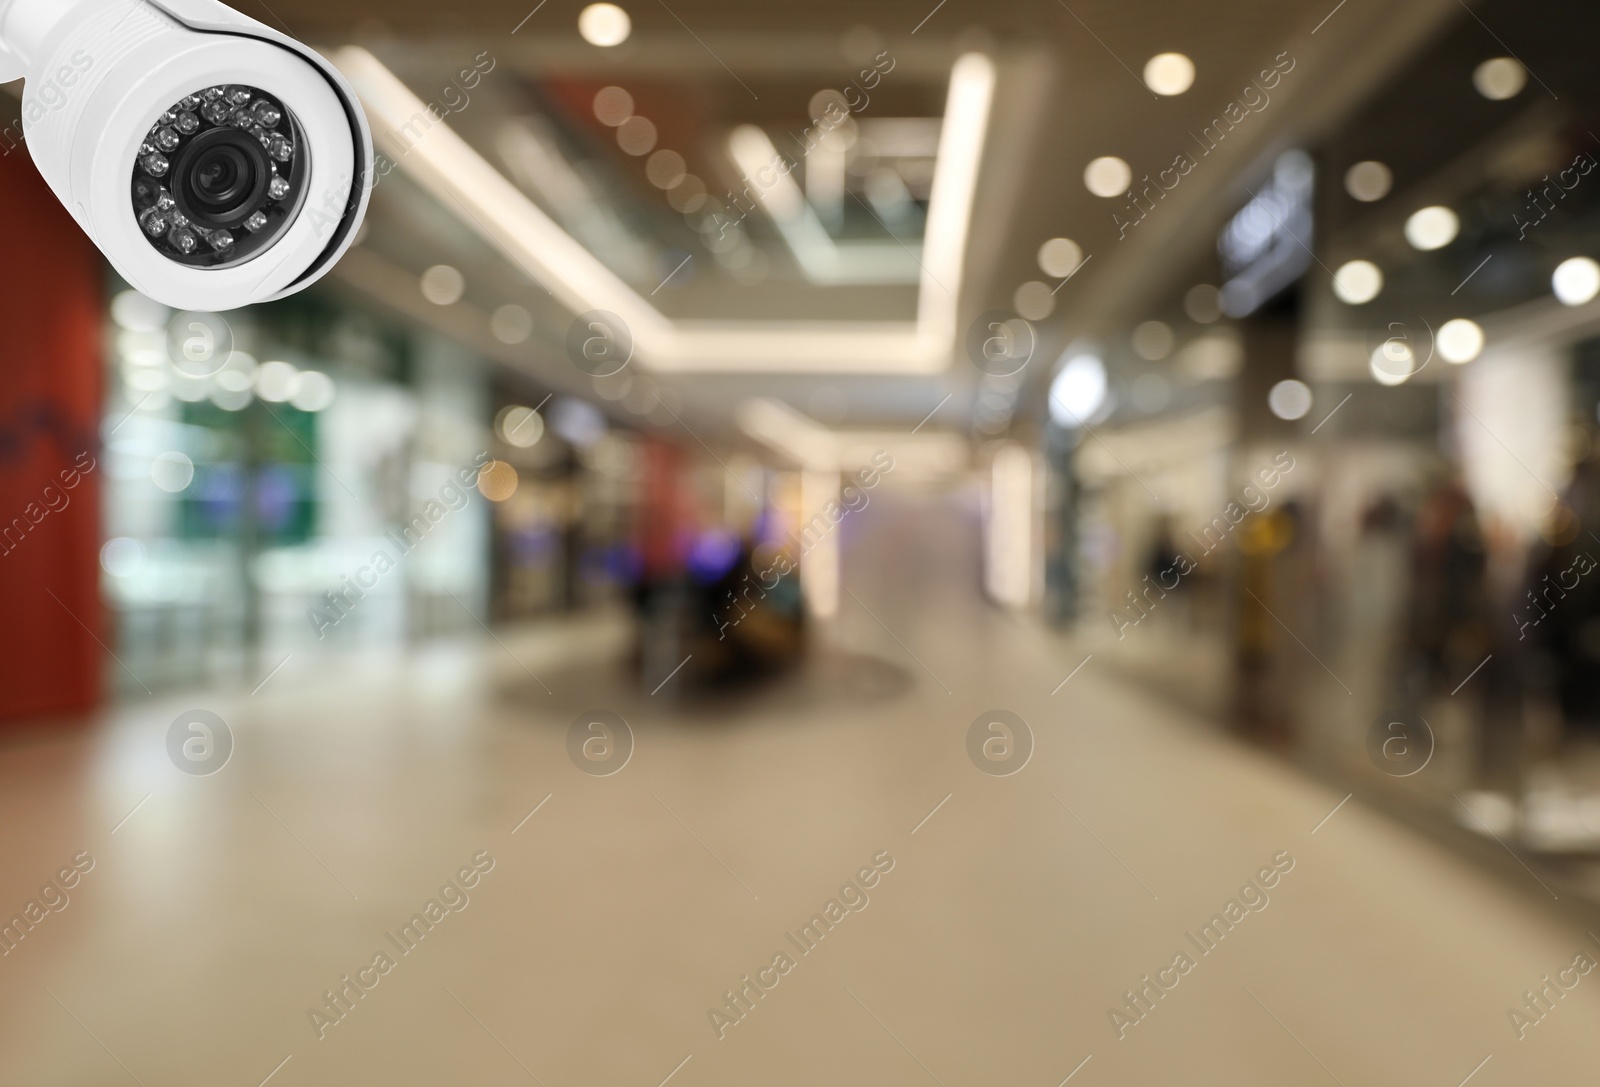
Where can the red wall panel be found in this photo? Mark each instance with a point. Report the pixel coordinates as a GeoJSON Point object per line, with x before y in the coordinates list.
{"type": "Point", "coordinates": [51, 307]}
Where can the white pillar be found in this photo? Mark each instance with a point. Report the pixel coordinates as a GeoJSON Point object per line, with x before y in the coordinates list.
{"type": "Point", "coordinates": [819, 569]}
{"type": "Point", "coordinates": [1009, 554]}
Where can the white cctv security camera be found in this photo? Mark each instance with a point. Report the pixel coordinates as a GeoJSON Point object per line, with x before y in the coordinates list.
{"type": "Point", "coordinates": [215, 161]}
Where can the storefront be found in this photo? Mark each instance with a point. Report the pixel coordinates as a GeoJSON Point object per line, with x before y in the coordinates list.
{"type": "Point", "coordinates": [287, 480]}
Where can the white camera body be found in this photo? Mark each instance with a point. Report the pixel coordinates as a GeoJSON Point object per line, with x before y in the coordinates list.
{"type": "Point", "coordinates": [235, 211]}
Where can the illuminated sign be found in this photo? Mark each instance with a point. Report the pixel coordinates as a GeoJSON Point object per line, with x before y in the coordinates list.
{"type": "Point", "coordinates": [1267, 245]}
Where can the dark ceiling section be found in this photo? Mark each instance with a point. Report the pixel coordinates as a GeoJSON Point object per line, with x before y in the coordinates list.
{"type": "Point", "coordinates": [1448, 144]}
{"type": "Point", "coordinates": [1069, 91]}
{"type": "Point", "coordinates": [713, 18]}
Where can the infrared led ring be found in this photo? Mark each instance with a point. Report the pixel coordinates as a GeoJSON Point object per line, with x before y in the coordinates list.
{"type": "Point", "coordinates": [220, 176]}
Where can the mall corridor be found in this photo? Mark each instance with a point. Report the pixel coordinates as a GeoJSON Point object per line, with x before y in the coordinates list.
{"type": "Point", "coordinates": [867, 543]}
{"type": "Point", "coordinates": [1000, 921]}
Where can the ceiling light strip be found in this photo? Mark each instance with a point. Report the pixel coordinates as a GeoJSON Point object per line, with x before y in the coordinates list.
{"type": "Point", "coordinates": [968, 105]}
{"type": "Point", "coordinates": [448, 168]}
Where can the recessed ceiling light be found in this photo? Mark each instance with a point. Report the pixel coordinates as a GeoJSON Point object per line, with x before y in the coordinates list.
{"type": "Point", "coordinates": [1357, 282]}
{"type": "Point", "coordinates": [1459, 340]}
{"type": "Point", "coordinates": [825, 102]}
{"type": "Point", "coordinates": [1432, 228]}
{"type": "Point", "coordinates": [519, 425]}
{"type": "Point", "coordinates": [1033, 301]}
{"type": "Point", "coordinates": [443, 285]}
{"type": "Point", "coordinates": [1290, 399]}
{"type": "Point", "coordinates": [687, 195]}
{"type": "Point", "coordinates": [1169, 73]}
{"type": "Point", "coordinates": [604, 24]}
{"type": "Point", "coordinates": [1107, 176]}
{"type": "Point", "coordinates": [612, 106]}
{"type": "Point", "coordinates": [636, 135]}
{"type": "Point", "coordinates": [1153, 340]}
{"type": "Point", "coordinates": [1368, 181]}
{"type": "Point", "coordinates": [511, 324]}
{"type": "Point", "coordinates": [665, 168]}
{"type": "Point", "coordinates": [1059, 257]}
{"type": "Point", "coordinates": [1392, 363]}
{"type": "Point", "coordinates": [1500, 78]}
{"type": "Point", "coordinates": [1576, 281]}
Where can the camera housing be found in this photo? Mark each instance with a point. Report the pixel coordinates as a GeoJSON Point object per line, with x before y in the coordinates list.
{"type": "Point", "coordinates": [215, 161]}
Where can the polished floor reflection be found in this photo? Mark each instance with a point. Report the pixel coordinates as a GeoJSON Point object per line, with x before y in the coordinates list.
{"type": "Point", "coordinates": [403, 875]}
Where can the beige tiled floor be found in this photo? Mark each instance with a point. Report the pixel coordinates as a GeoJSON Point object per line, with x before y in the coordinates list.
{"type": "Point", "coordinates": [620, 912]}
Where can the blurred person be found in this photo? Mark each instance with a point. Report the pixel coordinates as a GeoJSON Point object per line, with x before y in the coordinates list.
{"type": "Point", "coordinates": [1506, 676]}
{"type": "Point", "coordinates": [1377, 581]}
{"type": "Point", "coordinates": [732, 614]}
{"type": "Point", "coordinates": [1262, 679]}
{"type": "Point", "coordinates": [1447, 623]}
{"type": "Point", "coordinates": [1164, 552]}
{"type": "Point", "coordinates": [1169, 568]}
{"type": "Point", "coordinates": [1558, 614]}
{"type": "Point", "coordinates": [1446, 630]}
{"type": "Point", "coordinates": [757, 616]}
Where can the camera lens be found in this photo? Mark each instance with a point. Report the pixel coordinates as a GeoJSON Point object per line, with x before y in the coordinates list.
{"type": "Point", "coordinates": [220, 177]}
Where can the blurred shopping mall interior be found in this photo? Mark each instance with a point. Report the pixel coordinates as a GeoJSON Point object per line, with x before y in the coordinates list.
{"type": "Point", "coordinates": [857, 543]}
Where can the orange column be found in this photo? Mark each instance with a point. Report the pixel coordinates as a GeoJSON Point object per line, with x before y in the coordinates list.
{"type": "Point", "coordinates": [665, 519]}
{"type": "Point", "coordinates": [51, 287]}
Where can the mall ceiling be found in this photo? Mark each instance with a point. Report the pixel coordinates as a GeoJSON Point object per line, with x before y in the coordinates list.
{"type": "Point", "coordinates": [1067, 92]}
